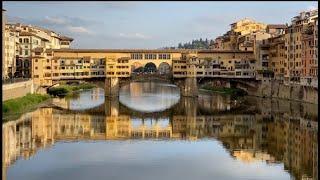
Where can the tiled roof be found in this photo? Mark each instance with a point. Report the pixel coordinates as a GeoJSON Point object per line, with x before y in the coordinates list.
{"type": "Point", "coordinates": [66, 38]}
{"type": "Point", "coordinates": [276, 26]}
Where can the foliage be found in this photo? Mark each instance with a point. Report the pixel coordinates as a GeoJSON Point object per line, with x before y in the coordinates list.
{"type": "Point", "coordinates": [224, 90]}
{"type": "Point", "coordinates": [22, 104]}
{"type": "Point", "coordinates": [64, 90]}
{"type": "Point", "coordinates": [194, 44]}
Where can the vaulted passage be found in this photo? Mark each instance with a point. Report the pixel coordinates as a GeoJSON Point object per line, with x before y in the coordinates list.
{"type": "Point", "coordinates": [164, 68]}
{"type": "Point", "coordinates": [150, 67]}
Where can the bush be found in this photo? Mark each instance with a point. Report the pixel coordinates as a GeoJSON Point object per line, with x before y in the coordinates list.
{"type": "Point", "coordinates": [58, 91]}
{"type": "Point", "coordinates": [68, 89]}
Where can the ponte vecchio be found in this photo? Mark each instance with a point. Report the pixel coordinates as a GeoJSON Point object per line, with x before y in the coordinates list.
{"type": "Point", "coordinates": [185, 68]}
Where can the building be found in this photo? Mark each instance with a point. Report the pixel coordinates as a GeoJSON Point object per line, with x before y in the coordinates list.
{"type": "Point", "coordinates": [3, 42]}
{"type": "Point", "coordinates": [293, 44]}
{"type": "Point", "coordinates": [30, 38]}
{"type": "Point", "coordinates": [247, 26]}
{"type": "Point", "coordinates": [309, 55]}
{"type": "Point", "coordinates": [276, 29]}
{"type": "Point", "coordinates": [277, 56]}
{"type": "Point", "coordinates": [11, 38]}
{"type": "Point", "coordinates": [261, 49]}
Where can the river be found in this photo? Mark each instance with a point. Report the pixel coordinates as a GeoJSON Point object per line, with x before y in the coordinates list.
{"type": "Point", "coordinates": [151, 132]}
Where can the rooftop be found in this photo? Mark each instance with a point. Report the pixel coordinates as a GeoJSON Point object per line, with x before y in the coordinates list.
{"type": "Point", "coordinates": [276, 26]}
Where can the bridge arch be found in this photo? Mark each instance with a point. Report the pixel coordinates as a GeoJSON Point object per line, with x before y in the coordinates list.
{"type": "Point", "coordinates": [136, 67]}
{"type": "Point", "coordinates": [164, 68]}
{"type": "Point", "coordinates": [150, 67]}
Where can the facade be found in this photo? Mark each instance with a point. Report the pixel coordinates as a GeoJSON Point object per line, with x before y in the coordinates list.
{"type": "Point", "coordinates": [247, 26]}
{"type": "Point", "coordinates": [276, 29]}
{"type": "Point", "coordinates": [293, 44]}
{"type": "Point", "coordinates": [3, 43]}
{"type": "Point", "coordinates": [11, 49]}
{"type": "Point", "coordinates": [29, 38]}
{"type": "Point", "coordinates": [277, 56]}
{"type": "Point", "coordinates": [309, 55]}
{"type": "Point", "coordinates": [261, 49]}
{"type": "Point", "coordinates": [51, 65]}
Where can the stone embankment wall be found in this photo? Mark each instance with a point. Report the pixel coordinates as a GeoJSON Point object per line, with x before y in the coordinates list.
{"type": "Point", "coordinates": [15, 90]}
{"type": "Point", "coordinates": [275, 89]}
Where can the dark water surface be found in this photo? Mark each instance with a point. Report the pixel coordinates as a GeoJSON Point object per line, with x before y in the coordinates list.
{"type": "Point", "coordinates": [151, 132]}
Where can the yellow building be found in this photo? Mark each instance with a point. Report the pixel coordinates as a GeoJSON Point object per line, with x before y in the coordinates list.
{"type": "Point", "coordinates": [247, 26]}
{"type": "Point", "coordinates": [11, 50]}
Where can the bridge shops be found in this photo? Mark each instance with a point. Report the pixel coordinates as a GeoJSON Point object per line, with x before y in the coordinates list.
{"type": "Point", "coordinates": [184, 67]}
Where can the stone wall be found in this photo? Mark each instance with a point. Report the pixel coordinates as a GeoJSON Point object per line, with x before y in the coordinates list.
{"type": "Point", "coordinates": [270, 88]}
{"type": "Point", "coordinates": [275, 89]}
{"type": "Point", "coordinates": [15, 90]}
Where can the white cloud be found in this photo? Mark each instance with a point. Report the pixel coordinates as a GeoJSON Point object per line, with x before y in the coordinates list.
{"type": "Point", "coordinates": [54, 20]}
{"type": "Point", "coordinates": [78, 29]}
{"type": "Point", "coordinates": [134, 36]}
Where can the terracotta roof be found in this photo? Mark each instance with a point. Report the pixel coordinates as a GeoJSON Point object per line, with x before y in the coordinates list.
{"type": "Point", "coordinates": [276, 26]}
{"type": "Point", "coordinates": [25, 34]}
{"type": "Point", "coordinates": [223, 51]}
{"type": "Point", "coordinates": [66, 38]}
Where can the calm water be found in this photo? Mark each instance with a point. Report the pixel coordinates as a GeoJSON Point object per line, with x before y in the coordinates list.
{"type": "Point", "coordinates": [151, 132]}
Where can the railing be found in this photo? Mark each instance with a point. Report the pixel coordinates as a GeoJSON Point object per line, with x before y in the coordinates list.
{"type": "Point", "coordinates": [14, 80]}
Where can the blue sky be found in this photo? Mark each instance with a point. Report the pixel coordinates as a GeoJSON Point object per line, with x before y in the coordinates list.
{"type": "Point", "coordinates": [146, 24]}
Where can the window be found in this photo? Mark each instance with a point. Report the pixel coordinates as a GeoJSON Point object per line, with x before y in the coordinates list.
{"type": "Point", "coordinates": [36, 60]}
{"type": "Point", "coordinates": [35, 67]}
{"type": "Point", "coordinates": [36, 76]}
{"type": "Point", "coordinates": [150, 56]}
{"type": "Point", "coordinates": [136, 56]}
{"type": "Point", "coordinates": [26, 52]}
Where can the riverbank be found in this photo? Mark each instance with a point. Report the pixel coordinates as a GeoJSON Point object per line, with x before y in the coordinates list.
{"type": "Point", "coordinates": [13, 108]}
{"type": "Point", "coordinates": [67, 90]}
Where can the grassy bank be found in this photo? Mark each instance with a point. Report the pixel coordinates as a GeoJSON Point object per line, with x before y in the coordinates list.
{"type": "Point", "coordinates": [224, 90]}
{"type": "Point", "coordinates": [23, 104]}
{"type": "Point", "coordinates": [66, 90]}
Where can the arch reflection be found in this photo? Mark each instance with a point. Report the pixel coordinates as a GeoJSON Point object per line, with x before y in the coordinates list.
{"type": "Point", "coordinates": [270, 131]}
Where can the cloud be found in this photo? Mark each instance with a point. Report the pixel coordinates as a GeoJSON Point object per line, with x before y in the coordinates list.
{"type": "Point", "coordinates": [78, 29]}
{"type": "Point", "coordinates": [134, 36]}
{"type": "Point", "coordinates": [54, 20]}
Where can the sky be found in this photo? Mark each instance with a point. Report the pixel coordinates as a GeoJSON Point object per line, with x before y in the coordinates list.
{"type": "Point", "coordinates": [143, 24]}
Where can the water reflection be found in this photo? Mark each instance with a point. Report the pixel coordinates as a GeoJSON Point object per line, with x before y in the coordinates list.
{"type": "Point", "coordinates": [281, 135]}
{"type": "Point", "coordinates": [149, 97]}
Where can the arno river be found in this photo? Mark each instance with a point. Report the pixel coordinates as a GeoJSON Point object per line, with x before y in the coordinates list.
{"type": "Point", "coordinates": [151, 132]}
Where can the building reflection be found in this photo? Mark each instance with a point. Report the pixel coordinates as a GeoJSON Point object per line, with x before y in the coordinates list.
{"type": "Point", "coordinates": [272, 137]}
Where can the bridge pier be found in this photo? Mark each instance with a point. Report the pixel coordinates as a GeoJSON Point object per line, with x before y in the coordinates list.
{"type": "Point", "coordinates": [112, 87]}
{"type": "Point", "coordinates": [189, 88]}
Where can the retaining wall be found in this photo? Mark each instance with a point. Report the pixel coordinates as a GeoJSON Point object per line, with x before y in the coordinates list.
{"type": "Point", "coordinates": [15, 90]}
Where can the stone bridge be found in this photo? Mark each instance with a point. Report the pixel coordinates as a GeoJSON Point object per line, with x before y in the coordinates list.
{"type": "Point", "coordinates": [188, 86]}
